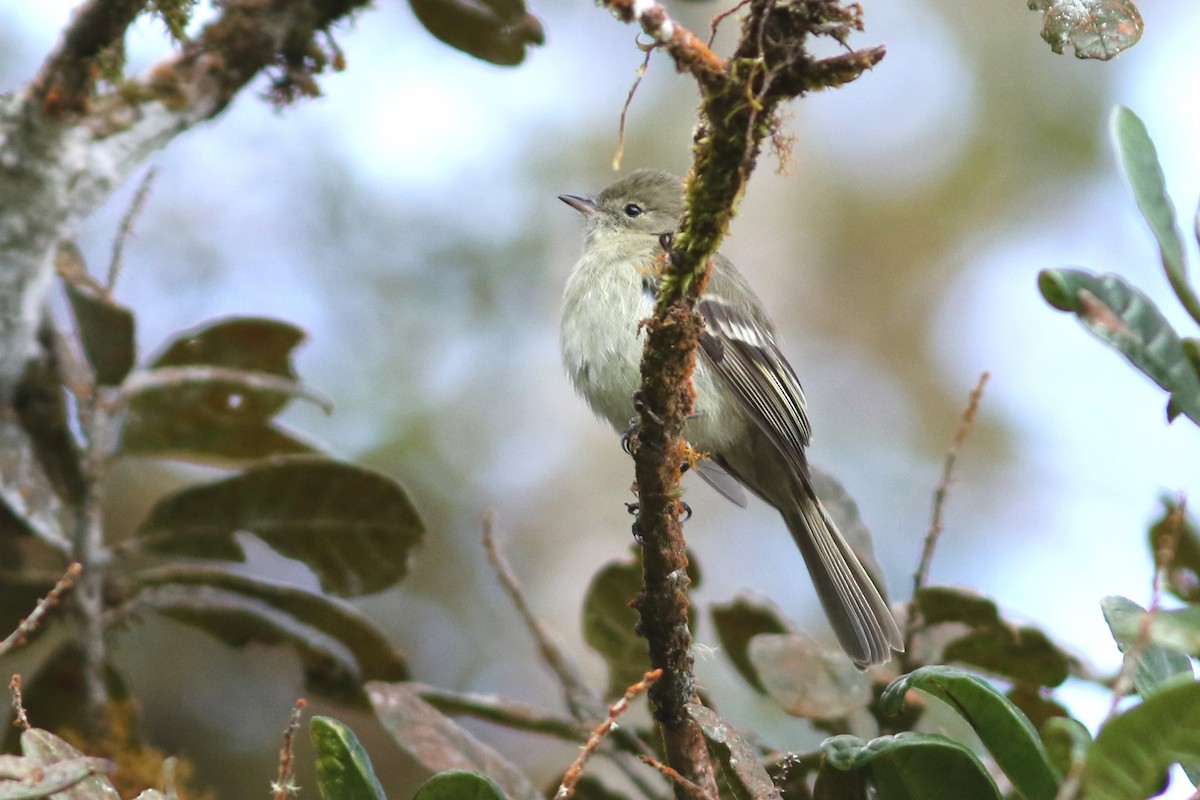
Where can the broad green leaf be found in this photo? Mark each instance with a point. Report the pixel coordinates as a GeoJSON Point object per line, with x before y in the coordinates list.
{"type": "Point", "coordinates": [344, 769]}
{"type": "Point", "coordinates": [938, 604]}
{"type": "Point", "coordinates": [497, 31]}
{"type": "Point", "coordinates": [748, 778]}
{"type": "Point", "coordinates": [1035, 704]}
{"type": "Point", "coordinates": [254, 344]}
{"type": "Point", "coordinates": [330, 668]}
{"type": "Point", "coordinates": [807, 680]}
{"type": "Point", "coordinates": [1097, 29]}
{"type": "Point", "coordinates": [1134, 750]}
{"type": "Point", "coordinates": [1156, 662]}
{"type": "Point", "coordinates": [376, 657]}
{"type": "Point", "coordinates": [183, 433]}
{"type": "Point", "coordinates": [740, 621]}
{"type": "Point", "coordinates": [1020, 653]}
{"type": "Point", "coordinates": [438, 744]}
{"type": "Point", "coordinates": [610, 625]}
{"type": "Point", "coordinates": [1145, 176]}
{"type": "Point", "coordinates": [1183, 573]}
{"type": "Point", "coordinates": [27, 779]}
{"type": "Point", "coordinates": [353, 527]}
{"type": "Point", "coordinates": [1003, 729]}
{"type": "Point", "coordinates": [84, 775]}
{"type": "Point", "coordinates": [459, 784]}
{"type": "Point", "coordinates": [1175, 630]}
{"type": "Point", "coordinates": [908, 766]}
{"type": "Point", "coordinates": [1128, 321]}
{"type": "Point", "coordinates": [30, 502]}
{"type": "Point", "coordinates": [106, 331]}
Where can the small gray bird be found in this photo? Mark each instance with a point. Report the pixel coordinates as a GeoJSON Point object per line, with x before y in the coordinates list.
{"type": "Point", "coordinates": [750, 412]}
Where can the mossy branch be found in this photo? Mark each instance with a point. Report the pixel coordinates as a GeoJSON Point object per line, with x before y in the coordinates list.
{"type": "Point", "coordinates": [740, 97]}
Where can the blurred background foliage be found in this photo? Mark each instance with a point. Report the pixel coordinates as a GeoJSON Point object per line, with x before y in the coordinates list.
{"type": "Point", "coordinates": [408, 221]}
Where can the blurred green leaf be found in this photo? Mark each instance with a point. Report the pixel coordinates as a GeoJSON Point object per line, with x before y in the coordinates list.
{"type": "Point", "coordinates": [1003, 729]}
{"type": "Point", "coordinates": [610, 625]}
{"type": "Point", "coordinates": [331, 668]}
{"type": "Point", "coordinates": [211, 394]}
{"type": "Point", "coordinates": [459, 784]}
{"type": "Point", "coordinates": [1156, 662]}
{"type": "Point", "coordinates": [1128, 321]}
{"type": "Point", "coordinates": [907, 766]}
{"type": "Point", "coordinates": [1067, 742]}
{"type": "Point", "coordinates": [1097, 29]}
{"type": "Point", "coordinates": [748, 778]}
{"type": "Point", "coordinates": [807, 680]}
{"type": "Point", "coordinates": [1021, 653]}
{"type": "Point", "coordinates": [1034, 704]}
{"type": "Point", "coordinates": [84, 776]}
{"type": "Point", "coordinates": [1135, 749]}
{"type": "Point", "coordinates": [937, 604]}
{"type": "Point", "coordinates": [740, 621]}
{"type": "Point", "coordinates": [439, 744]}
{"type": "Point", "coordinates": [344, 769]}
{"type": "Point", "coordinates": [1183, 572]}
{"type": "Point", "coordinates": [353, 527]}
{"type": "Point", "coordinates": [496, 31]}
{"type": "Point", "coordinates": [106, 331]}
{"type": "Point", "coordinates": [375, 656]}
{"type": "Point", "coordinates": [1145, 177]}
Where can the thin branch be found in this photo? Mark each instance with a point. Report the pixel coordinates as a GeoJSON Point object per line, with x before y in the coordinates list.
{"type": "Point", "coordinates": [501, 711]}
{"type": "Point", "coordinates": [283, 786]}
{"type": "Point", "coordinates": [673, 776]}
{"type": "Point", "coordinates": [126, 229]}
{"type": "Point", "coordinates": [571, 778]}
{"type": "Point", "coordinates": [690, 53]}
{"type": "Point", "coordinates": [582, 700]}
{"type": "Point", "coordinates": [18, 703]}
{"type": "Point", "coordinates": [637, 81]}
{"type": "Point", "coordinates": [28, 625]}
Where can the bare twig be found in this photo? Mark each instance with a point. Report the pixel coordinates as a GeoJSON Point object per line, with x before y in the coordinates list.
{"type": "Point", "coordinates": [502, 711]}
{"type": "Point", "coordinates": [18, 704]}
{"type": "Point", "coordinates": [126, 228]}
{"type": "Point", "coordinates": [943, 487]}
{"type": "Point", "coordinates": [637, 81]}
{"type": "Point", "coordinates": [283, 786]}
{"type": "Point", "coordinates": [673, 776]}
{"type": "Point", "coordinates": [30, 623]}
{"type": "Point", "coordinates": [571, 778]}
{"type": "Point", "coordinates": [582, 700]}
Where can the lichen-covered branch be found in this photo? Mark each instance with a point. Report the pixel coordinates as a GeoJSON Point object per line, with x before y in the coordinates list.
{"type": "Point", "coordinates": [740, 96]}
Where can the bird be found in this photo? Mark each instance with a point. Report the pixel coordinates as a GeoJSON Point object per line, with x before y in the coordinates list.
{"type": "Point", "coordinates": [751, 419]}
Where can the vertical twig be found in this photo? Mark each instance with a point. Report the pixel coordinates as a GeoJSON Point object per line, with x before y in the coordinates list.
{"type": "Point", "coordinates": [283, 787]}
{"type": "Point", "coordinates": [116, 261]}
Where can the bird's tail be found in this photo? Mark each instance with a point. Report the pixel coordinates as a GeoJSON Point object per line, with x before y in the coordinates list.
{"type": "Point", "coordinates": [852, 602]}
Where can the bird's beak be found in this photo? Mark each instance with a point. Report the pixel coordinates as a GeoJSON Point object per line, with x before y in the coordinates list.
{"type": "Point", "coordinates": [584, 205]}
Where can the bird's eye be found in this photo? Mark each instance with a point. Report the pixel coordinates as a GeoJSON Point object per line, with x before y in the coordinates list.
{"type": "Point", "coordinates": [633, 210]}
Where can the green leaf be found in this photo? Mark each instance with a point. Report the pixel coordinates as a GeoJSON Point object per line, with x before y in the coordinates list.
{"type": "Point", "coordinates": [1035, 704]}
{"type": "Point", "coordinates": [610, 625]}
{"type": "Point", "coordinates": [749, 780]}
{"type": "Point", "coordinates": [84, 776]}
{"type": "Point", "coordinates": [1157, 659]}
{"type": "Point", "coordinates": [1178, 531]}
{"type": "Point", "coordinates": [496, 31]}
{"type": "Point", "coordinates": [1097, 29]}
{"type": "Point", "coordinates": [344, 769]}
{"type": "Point", "coordinates": [1067, 743]}
{"type": "Point", "coordinates": [740, 621]}
{"type": "Point", "coordinates": [353, 527]}
{"type": "Point", "coordinates": [106, 331]}
{"type": "Point", "coordinates": [938, 604]}
{"type": "Point", "coordinates": [807, 680]}
{"type": "Point", "coordinates": [1145, 176]}
{"type": "Point", "coordinates": [1135, 749]}
{"type": "Point", "coordinates": [1128, 321]}
{"type": "Point", "coordinates": [1020, 653]}
{"type": "Point", "coordinates": [438, 744]}
{"type": "Point", "coordinates": [907, 766]}
{"type": "Point", "coordinates": [210, 396]}
{"type": "Point", "coordinates": [1175, 630]}
{"type": "Point", "coordinates": [296, 616]}
{"type": "Point", "coordinates": [459, 784]}
{"type": "Point", "coordinates": [1000, 725]}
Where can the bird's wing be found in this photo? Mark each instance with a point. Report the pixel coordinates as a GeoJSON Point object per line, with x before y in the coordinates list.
{"type": "Point", "coordinates": [742, 350]}
{"type": "Point", "coordinates": [719, 478]}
